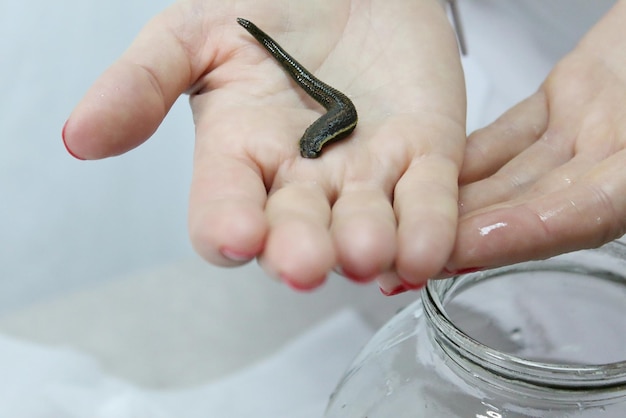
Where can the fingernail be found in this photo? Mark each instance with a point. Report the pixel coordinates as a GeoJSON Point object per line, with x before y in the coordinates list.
{"type": "Point", "coordinates": [389, 284]}
{"type": "Point", "coordinates": [463, 271]}
{"type": "Point", "coordinates": [236, 255]}
{"type": "Point", "coordinates": [395, 291]}
{"type": "Point", "coordinates": [69, 151]}
{"type": "Point", "coordinates": [354, 277]}
{"type": "Point", "coordinates": [299, 286]}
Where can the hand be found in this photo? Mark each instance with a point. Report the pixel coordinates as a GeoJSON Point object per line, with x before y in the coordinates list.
{"type": "Point", "coordinates": [549, 176]}
{"type": "Point", "coordinates": [381, 204]}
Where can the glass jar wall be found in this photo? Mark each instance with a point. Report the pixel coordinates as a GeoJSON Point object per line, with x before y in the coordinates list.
{"type": "Point", "coordinates": [538, 339]}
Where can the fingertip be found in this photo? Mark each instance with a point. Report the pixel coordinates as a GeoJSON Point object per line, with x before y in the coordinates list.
{"type": "Point", "coordinates": [228, 233]}
{"type": "Point", "coordinates": [118, 113]}
{"type": "Point", "coordinates": [414, 276]}
{"type": "Point", "coordinates": [365, 247]}
{"type": "Point", "coordinates": [298, 253]}
{"type": "Point", "coordinates": [420, 268]}
{"type": "Point", "coordinates": [423, 252]}
{"type": "Point", "coordinates": [67, 147]}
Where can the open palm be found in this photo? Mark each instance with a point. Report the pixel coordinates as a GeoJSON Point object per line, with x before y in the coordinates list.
{"type": "Point", "coordinates": [381, 204]}
{"type": "Point", "coordinates": [550, 175]}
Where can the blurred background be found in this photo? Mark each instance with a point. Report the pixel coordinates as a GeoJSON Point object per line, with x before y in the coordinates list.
{"type": "Point", "coordinates": [67, 224]}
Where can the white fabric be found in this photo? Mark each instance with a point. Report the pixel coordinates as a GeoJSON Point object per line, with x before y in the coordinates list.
{"type": "Point", "coordinates": [295, 382]}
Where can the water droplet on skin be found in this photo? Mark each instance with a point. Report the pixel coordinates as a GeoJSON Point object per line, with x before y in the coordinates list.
{"type": "Point", "coordinates": [486, 230]}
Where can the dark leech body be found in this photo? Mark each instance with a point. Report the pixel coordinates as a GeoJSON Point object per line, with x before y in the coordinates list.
{"type": "Point", "coordinates": [341, 116]}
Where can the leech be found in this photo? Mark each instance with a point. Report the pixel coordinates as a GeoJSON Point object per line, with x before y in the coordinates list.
{"type": "Point", "coordinates": [340, 119]}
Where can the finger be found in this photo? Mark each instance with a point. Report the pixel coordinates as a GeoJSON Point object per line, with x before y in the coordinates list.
{"type": "Point", "coordinates": [506, 189]}
{"type": "Point", "coordinates": [299, 249]}
{"type": "Point", "coordinates": [426, 208]}
{"type": "Point", "coordinates": [521, 173]}
{"type": "Point", "coordinates": [489, 148]}
{"type": "Point", "coordinates": [227, 219]}
{"type": "Point", "coordinates": [227, 224]}
{"type": "Point", "coordinates": [587, 214]}
{"type": "Point", "coordinates": [364, 233]}
{"type": "Point", "coordinates": [128, 102]}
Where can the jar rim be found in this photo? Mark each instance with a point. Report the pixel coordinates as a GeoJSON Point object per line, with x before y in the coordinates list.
{"type": "Point", "coordinates": [545, 374]}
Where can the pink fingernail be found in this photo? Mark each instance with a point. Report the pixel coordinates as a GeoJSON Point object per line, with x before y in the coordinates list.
{"type": "Point", "coordinates": [395, 291]}
{"type": "Point", "coordinates": [299, 286]}
{"type": "Point", "coordinates": [236, 255]}
{"type": "Point", "coordinates": [69, 151]}
{"type": "Point", "coordinates": [355, 277]}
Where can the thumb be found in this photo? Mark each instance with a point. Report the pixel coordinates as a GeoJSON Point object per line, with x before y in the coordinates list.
{"type": "Point", "coordinates": [125, 106]}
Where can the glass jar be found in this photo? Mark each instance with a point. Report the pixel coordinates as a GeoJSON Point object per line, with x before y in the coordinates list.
{"type": "Point", "coordinates": [537, 339]}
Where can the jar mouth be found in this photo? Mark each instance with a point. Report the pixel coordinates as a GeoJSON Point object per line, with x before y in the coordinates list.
{"type": "Point", "coordinates": [602, 266]}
